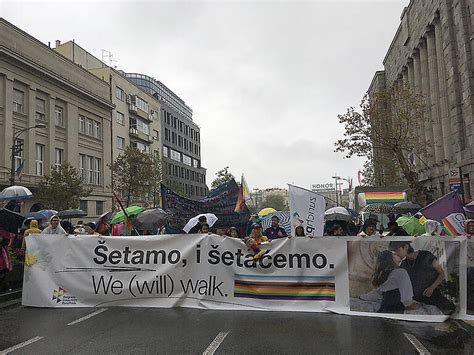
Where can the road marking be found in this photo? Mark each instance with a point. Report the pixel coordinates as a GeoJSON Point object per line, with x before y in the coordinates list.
{"type": "Point", "coordinates": [88, 316]}
{"type": "Point", "coordinates": [19, 346]}
{"type": "Point", "coordinates": [417, 344]}
{"type": "Point", "coordinates": [215, 343]}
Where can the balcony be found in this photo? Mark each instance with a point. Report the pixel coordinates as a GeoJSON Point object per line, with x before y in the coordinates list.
{"type": "Point", "coordinates": [132, 108]}
{"type": "Point", "coordinates": [134, 132]}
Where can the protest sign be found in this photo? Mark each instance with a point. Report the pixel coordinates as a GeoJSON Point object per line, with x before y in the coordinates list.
{"type": "Point", "coordinates": [307, 210]}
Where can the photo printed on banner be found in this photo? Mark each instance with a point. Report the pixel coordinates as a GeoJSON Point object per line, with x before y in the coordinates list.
{"type": "Point", "coordinates": [470, 277]}
{"type": "Point", "coordinates": [404, 277]}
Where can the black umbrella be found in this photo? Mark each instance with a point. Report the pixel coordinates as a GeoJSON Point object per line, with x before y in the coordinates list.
{"type": "Point", "coordinates": [381, 208]}
{"type": "Point", "coordinates": [72, 214]}
{"type": "Point", "coordinates": [151, 219]}
{"type": "Point", "coordinates": [104, 218]}
{"type": "Point", "coordinates": [10, 221]}
{"type": "Point", "coordinates": [408, 206]}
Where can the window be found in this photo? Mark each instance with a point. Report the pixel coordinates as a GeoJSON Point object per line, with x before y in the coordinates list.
{"type": "Point", "coordinates": [195, 163]}
{"type": "Point", "coordinates": [165, 151]}
{"type": "Point", "coordinates": [143, 127]}
{"type": "Point", "coordinates": [120, 118]}
{"type": "Point", "coordinates": [119, 93]}
{"type": "Point", "coordinates": [58, 157]}
{"type": "Point", "coordinates": [83, 205]}
{"type": "Point", "coordinates": [187, 160]}
{"type": "Point", "coordinates": [97, 130]}
{"type": "Point", "coordinates": [39, 162]}
{"type": "Point", "coordinates": [18, 155]}
{"type": "Point", "coordinates": [120, 143]}
{"type": "Point", "coordinates": [180, 141]}
{"type": "Point", "coordinates": [90, 127]}
{"type": "Point", "coordinates": [167, 134]}
{"type": "Point", "coordinates": [141, 147]}
{"type": "Point", "coordinates": [173, 137]}
{"type": "Point", "coordinates": [97, 169]}
{"type": "Point", "coordinates": [58, 116]}
{"type": "Point", "coordinates": [99, 207]}
{"type": "Point", "coordinates": [82, 124]}
{"type": "Point", "coordinates": [181, 126]}
{"type": "Point", "coordinates": [18, 101]}
{"type": "Point", "coordinates": [82, 167]}
{"type": "Point", "coordinates": [156, 134]}
{"type": "Point", "coordinates": [40, 109]}
{"type": "Point", "coordinates": [175, 155]}
{"type": "Point", "coordinates": [141, 104]}
{"type": "Point", "coordinates": [90, 166]}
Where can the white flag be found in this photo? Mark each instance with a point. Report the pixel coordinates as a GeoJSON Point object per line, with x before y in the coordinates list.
{"type": "Point", "coordinates": [307, 210]}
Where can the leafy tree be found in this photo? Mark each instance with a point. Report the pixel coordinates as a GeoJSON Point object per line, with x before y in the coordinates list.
{"type": "Point", "coordinates": [136, 176]}
{"type": "Point", "coordinates": [223, 176]}
{"type": "Point", "coordinates": [386, 129]}
{"type": "Point", "coordinates": [274, 201]}
{"type": "Point", "coordinates": [63, 188]}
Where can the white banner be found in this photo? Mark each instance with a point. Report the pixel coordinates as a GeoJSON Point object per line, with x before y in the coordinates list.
{"type": "Point", "coordinates": [307, 210]}
{"type": "Point", "coordinates": [330, 274]}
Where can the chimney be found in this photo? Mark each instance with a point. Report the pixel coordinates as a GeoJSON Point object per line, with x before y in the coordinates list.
{"type": "Point", "coordinates": [58, 43]}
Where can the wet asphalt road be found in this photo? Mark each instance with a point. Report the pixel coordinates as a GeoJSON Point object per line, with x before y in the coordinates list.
{"type": "Point", "coordinates": [190, 331]}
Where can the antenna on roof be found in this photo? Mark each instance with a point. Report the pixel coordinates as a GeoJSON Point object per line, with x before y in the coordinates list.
{"type": "Point", "coordinates": [108, 58]}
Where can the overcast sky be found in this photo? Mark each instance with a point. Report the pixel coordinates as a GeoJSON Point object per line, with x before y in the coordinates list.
{"type": "Point", "coordinates": [265, 79]}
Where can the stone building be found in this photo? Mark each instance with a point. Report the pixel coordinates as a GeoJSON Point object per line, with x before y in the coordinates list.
{"type": "Point", "coordinates": [39, 87]}
{"type": "Point", "coordinates": [432, 53]}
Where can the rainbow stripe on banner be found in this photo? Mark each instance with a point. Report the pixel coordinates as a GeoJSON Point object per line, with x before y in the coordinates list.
{"type": "Point", "coordinates": [296, 288]}
{"type": "Point", "coordinates": [389, 198]}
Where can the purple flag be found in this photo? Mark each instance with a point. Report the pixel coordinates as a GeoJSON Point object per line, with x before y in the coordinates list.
{"type": "Point", "coordinates": [443, 207]}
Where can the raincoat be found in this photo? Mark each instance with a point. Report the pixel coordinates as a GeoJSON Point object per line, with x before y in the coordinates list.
{"type": "Point", "coordinates": [432, 228]}
{"type": "Point", "coordinates": [32, 230]}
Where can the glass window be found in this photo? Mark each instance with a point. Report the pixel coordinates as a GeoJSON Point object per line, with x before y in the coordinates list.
{"type": "Point", "coordinates": [120, 143]}
{"type": "Point", "coordinates": [97, 130]}
{"type": "Point", "coordinates": [82, 124]}
{"type": "Point", "coordinates": [141, 104]}
{"type": "Point", "coordinates": [195, 163]}
{"type": "Point", "coordinates": [58, 157]}
{"type": "Point", "coordinates": [143, 127]}
{"type": "Point", "coordinates": [58, 116]}
{"type": "Point", "coordinates": [19, 155]}
{"type": "Point", "coordinates": [90, 166]}
{"type": "Point", "coordinates": [90, 127]}
{"type": "Point", "coordinates": [165, 151]}
{"type": "Point", "coordinates": [187, 160]}
{"type": "Point", "coordinates": [82, 167]}
{"type": "Point", "coordinates": [175, 155]}
{"type": "Point", "coordinates": [18, 101]}
{"type": "Point", "coordinates": [99, 207]}
{"type": "Point", "coordinates": [156, 134]}
{"type": "Point", "coordinates": [83, 205]}
{"type": "Point", "coordinates": [119, 94]}
{"type": "Point", "coordinates": [39, 162]}
{"type": "Point", "coordinates": [40, 109]}
{"type": "Point", "coordinates": [120, 118]}
{"type": "Point", "coordinates": [97, 169]}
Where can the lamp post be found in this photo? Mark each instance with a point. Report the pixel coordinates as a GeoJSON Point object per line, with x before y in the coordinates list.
{"type": "Point", "coordinates": [336, 179]}
{"type": "Point", "coordinates": [16, 148]}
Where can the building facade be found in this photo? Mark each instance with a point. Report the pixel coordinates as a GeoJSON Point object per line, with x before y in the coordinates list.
{"type": "Point", "coordinates": [39, 87]}
{"type": "Point", "coordinates": [180, 137]}
{"type": "Point", "coordinates": [432, 53]}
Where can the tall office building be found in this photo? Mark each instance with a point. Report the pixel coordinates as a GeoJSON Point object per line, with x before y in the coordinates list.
{"type": "Point", "coordinates": [39, 87]}
{"type": "Point", "coordinates": [432, 52]}
{"type": "Point", "coordinates": [180, 137]}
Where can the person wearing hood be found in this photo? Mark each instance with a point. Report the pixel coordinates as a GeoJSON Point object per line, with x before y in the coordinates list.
{"type": "Point", "coordinates": [32, 230]}
{"type": "Point", "coordinates": [469, 228]}
{"type": "Point", "coordinates": [432, 228]}
{"type": "Point", "coordinates": [54, 227]}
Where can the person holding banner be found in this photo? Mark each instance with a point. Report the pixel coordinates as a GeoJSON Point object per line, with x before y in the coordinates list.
{"type": "Point", "coordinates": [299, 231]}
{"type": "Point", "coordinates": [426, 275]}
{"type": "Point", "coordinates": [54, 227]}
{"type": "Point", "coordinates": [204, 228]}
{"type": "Point", "coordinates": [255, 239]}
{"type": "Point", "coordinates": [275, 231]}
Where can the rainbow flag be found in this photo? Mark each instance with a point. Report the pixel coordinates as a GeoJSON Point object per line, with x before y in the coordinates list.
{"type": "Point", "coordinates": [389, 198]}
{"type": "Point", "coordinates": [296, 288]}
{"type": "Point", "coordinates": [454, 224]}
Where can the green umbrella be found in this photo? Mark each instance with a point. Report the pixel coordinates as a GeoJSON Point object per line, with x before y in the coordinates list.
{"type": "Point", "coordinates": [131, 211]}
{"type": "Point", "coordinates": [411, 225]}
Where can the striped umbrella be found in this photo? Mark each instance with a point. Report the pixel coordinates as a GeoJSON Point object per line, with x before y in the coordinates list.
{"type": "Point", "coordinates": [285, 221]}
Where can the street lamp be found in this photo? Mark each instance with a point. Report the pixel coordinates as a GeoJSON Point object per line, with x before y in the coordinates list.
{"type": "Point", "coordinates": [336, 179]}
{"type": "Point", "coordinates": [16, 148]}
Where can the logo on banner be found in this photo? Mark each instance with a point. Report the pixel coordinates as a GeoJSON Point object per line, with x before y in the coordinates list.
{"type": "Point", "coordinates": [297, 221]}
{"type": "Point", "coordinates": [60, 296]}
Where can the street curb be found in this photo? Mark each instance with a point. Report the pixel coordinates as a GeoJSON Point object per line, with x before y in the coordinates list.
{"type": "Point", "coordinates": [8, 296]}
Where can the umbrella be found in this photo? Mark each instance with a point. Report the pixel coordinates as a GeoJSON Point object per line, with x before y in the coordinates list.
{"type": "Point", "coordinates": [337, 214]}
{"type": "Point", "coordinates": [408, 206]}
{"type": "Point", "coordinates": [15, 193]}
{"type": "Point", "coordinates": [210, 217]}
{"type": "Point", "coordinates": [151, 219]}
{"type": "Point", "coordinates": [411, 225]}
{"type": "Point", "coordinates": [10, 221]}
{"type": "Point", "coordinates": [266, 211]}
{"type": "Point", "coordinates": [283, 216]}
{"type": "Point", "coordinates": [73, 213]}
{"type": "Point", "coordinates": [48, 213]}
{"type": "Point", "coordinates": [104, 218]}
{"type": "Point", "coordinates": [381, 208]}
{"type": "Point", "coordinates": [36, 215]}
{"type": "Point", "coordinates": [131, 211]}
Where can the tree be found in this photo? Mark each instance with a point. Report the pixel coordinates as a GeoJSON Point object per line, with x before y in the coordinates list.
{"type": "Point", "coordinates": [63, 188]}
{"type": "Point", "coordinates": [223, 176]}
{"type": "Point", "coordinates": [274, 201]}
{"type": "Point", "coordinates": [388, 127]}
{"type": "Point", "coordinates": [136, 176]}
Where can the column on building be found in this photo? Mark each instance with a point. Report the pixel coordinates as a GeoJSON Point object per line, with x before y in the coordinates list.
{"type": "Point", "coordinates": [51, 132]}
{"type": "Point", "coordinates": [30, 135]}
{"type": "Point", "coordinates": [411, 74]}
{"type": "Point", "coordinates": [434, 96]}
{"type": "Point", "coordinates": [417, 80]}
{"type": "Point", "coordinates": [443, 92]}
{"type": "Point", "coordinates": [425, 89]}
{"type": "Point", "coordinates": [7, 123]}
